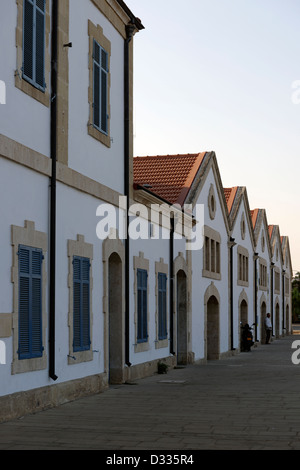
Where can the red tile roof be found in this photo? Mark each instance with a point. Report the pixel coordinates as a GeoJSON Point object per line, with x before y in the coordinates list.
{"type": "Point", "coordinates": [168, 176]}
{"type": "Point", "coordinates": [254, 214]}
{"type": "Point", "coordinates": [229, 196]}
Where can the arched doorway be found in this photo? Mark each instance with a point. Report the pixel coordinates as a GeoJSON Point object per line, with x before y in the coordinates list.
{"type": "Point", "coordinates": [213, 329]}
{"type": "Point", "coordinates": [244, 312]}
{"type": "Point", "coordinates": [115, 329]}
{"type": "Point", "coordinates": [263, 313]}
{"type": "Point", "coordinates": [182, 340]}
{"type": "Point", "coordinates": [277, 322]}
{"type": "Point", "coordinates": [243, 316]}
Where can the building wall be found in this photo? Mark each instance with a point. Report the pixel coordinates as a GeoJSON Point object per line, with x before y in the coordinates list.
{"type": "Point", "coordinates": [204, 282]}
{"type": "Point", "coordinates": [86, 154]}
{"type": "Point", "coordinates": [242, 290]}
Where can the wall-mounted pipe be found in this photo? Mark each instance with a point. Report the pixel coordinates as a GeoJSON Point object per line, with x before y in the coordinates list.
{"type": "Point", "coordinates": [130, 29]}
{"type": "Point", "coordinates": [53, 140]}
{"type": "Point", "coordinates": [171, 274]}
{"type": "Point", "coordinates": [255, 294]}
{"type": "Point", "coordinates": [272, 300]}
{"type": "Point", "coordinates": [231, 244]}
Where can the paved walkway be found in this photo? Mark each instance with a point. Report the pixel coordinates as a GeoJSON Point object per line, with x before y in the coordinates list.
{"type": "Point", "coordinates": [249, 401]}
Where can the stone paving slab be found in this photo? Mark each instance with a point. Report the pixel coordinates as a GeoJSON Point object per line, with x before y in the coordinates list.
{"type": "Point", "coordinates": [246, 402]}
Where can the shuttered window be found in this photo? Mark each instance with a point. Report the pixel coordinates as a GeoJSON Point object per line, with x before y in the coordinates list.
{"type": "Point", "coordinates": [162, 306]}
{"type": "Point", "coordinates": [100, 88]}
{"type": "Point", "coordinates": [81, 304]}
{"type": "Point", "coordinates": [142, 329]}
{"type": "Point", "coordinates": [34, 43]}
{"type": "Point", "coordinates": [30, 303]}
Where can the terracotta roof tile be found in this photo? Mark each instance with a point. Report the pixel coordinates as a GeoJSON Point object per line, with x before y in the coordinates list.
{"type": "Point", "coordinates": [229, 196]}
{"type": "Point", "coordinates": [254, 214]}
{"type": "Point", "coordinates": [168, 176]}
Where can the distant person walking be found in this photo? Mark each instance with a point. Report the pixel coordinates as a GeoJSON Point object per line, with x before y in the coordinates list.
{"type": "Point", "coordinates": [268, 327]}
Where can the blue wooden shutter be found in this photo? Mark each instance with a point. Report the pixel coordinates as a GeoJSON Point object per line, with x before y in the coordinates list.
{"type": "Point", "coordinates": [100, 88]}
{"type": "Point", "coordinates": [162, 306]}
{"type": "Point", "coordinates": [142, 327]}
{"type": "Point", "coordinates": [81, 304]}
{"type": "Point", "coordinates": [34, 42]}
{"type": "Point", "coordinates": [30, 303]}
{"type": "Point", "coordinates": [28, 30]}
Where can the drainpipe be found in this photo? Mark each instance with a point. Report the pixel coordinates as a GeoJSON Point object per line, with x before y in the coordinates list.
{"type": "Point", "coordinates": [283, 294]}
{"type": "Point", "coordinates": [130, 29]}
{"type": "Point", "coordinates": [255, 292]}
{"type": "Point", "coordinates": [171, 262]}
{"type": "Point", "coordinates": [231, 244]}
{"type": "Point", "coordinates": [53, 138]}
{"type": "Point", "coordinates": [272, 313]}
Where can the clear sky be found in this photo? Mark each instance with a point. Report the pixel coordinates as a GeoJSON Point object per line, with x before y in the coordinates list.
{"type": "Point", "coordinates": [219, 75]}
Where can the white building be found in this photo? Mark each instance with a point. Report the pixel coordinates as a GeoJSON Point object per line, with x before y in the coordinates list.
{"type": "Point", "coordinates": [110, 265]}
{"type": "Point", "coordinates": [243, 267]}
{"type": "Point", "coordinates": [65, 128]}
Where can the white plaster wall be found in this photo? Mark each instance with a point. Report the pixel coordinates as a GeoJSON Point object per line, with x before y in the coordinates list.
{"type": "Point", "coordinates": [86, 154]}
{"type": "Point", "coordinates": [237, 290]}
{"type": "Point", "coordinates": [153, 250]}
{"type": "Point", "coordinates": [23, 196]}
{"type": "Point", "coordinates": [277, 260]}
{"type": "Point", "coordinates": [22, 118]}
{"type": "Point", "coordinates": [200, 284]}
{"type": "Point", "coordinates": [262, 293]}
{"type": "Point", "coordinates": [76, 215]}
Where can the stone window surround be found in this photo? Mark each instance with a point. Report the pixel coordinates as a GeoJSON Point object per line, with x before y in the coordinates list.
{"type": "Point", "coordinates": [215, 236]}
{"type": "Point", "coordinates": [243, 227]}
{"type": "Point", "coordinates": [139, 262]}
{"type": "Point", "coordinates": [20, 82]}
{"type": "Point", "coordinates": [27, 236]}
{"type": "Point", "coordinates": [212, 202]}
{"type": "Point", "coordinates": [263, 264]}
{"type": "Point", "coordinates": [160, 267]}
{"type": "Point", "coordinates": [85, 250]}
{"type": "Point", "coordinates": [276, 280]}
{"type": "Point", "coordinates": [96, 33]}
{"type": "Point", "coordinates": [244, 279]}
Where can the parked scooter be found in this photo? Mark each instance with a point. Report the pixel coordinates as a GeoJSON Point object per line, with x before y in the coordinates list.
{"type": "Point", "coordinates": [247, 338]}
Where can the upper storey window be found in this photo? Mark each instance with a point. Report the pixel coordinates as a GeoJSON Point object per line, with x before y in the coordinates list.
{"type": "Point", "coordinates": [33, 69]}
{"type": "Point", "coordinates": [100, 71]}
{"type": "Point", "coordinates": [99, 86]}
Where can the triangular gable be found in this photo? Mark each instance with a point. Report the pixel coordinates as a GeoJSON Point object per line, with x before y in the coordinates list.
{"type": "Point", "coordinates": [234, 197]}
{"type": "Point", "coordinates": [261, 223]}
{"type": "Point", "coordinates": [286, 253]}
{"type": "Point", "coordinates": [274, 234]}
{"type": "Point", "coordinates": [209, 163]}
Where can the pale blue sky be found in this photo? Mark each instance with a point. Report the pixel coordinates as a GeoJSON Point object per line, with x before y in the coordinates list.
{"type": "Point", "coordinates": [217, 75]}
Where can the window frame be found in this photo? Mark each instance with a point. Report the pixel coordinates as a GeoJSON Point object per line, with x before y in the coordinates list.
{"type": "Point", "coordinates": [81, 282]}
{"type": "Point", "coordinates": [28, 236]}
{"type": "Point", "coordinates": [142, 307]}
{"type": "Point", "coordinates": [96, 36]}
{"type": "Point", "coordinates": [33, 324]}
{"type": "Point", "coordinates": [103, 109]}
{"type": "Point", "coordinates": [79, 248]}
{"type": "Point", "coordinates": [211, 254]}
{"type": "Point", "coordinates": [22, 83]}
{"type": "Point", "coordinates": [162, 306]}
{"type": "Point", "coordinates": [33, 80]}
